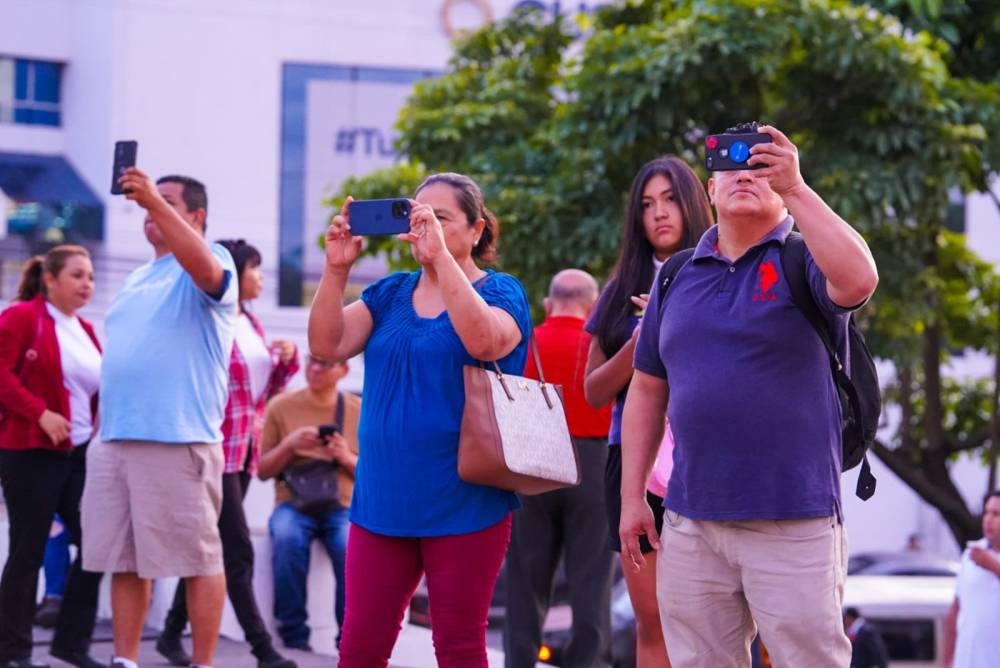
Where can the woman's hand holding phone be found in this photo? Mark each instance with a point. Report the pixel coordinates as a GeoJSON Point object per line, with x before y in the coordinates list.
{"type": "Point", "coordinates": [342, 249]}
{"type": "Point", "coordinates": [425, 236]}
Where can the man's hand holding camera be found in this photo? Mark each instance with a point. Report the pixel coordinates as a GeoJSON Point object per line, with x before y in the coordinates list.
{"type": "Point", "coordinates": [781, 159]}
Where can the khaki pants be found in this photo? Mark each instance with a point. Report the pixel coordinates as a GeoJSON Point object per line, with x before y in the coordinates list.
{"type": "Point", "coordinates": [718, 583]}
{"type": "Point", "coordinates": [152, 508]}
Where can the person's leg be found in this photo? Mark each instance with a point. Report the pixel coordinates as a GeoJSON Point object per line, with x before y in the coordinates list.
{"type": "Point", "coordinates": [461, 574]}
{"type": "Point", "coordinates": [56, 562]}
{"type": "Point", "coordinates": [651, 648]}
{"type": "Point", "coordinates": [31, 480]}
{"type": "Point", "coordinates": [589, 565]}
{"type": "Point", "coordinates": [130, 597]}
{"type": "Point", "coordinates": [536, 541]}
{"type": "Point", "coordinates": [382, 574]}
{"type": "Point", "coordinates": [705, 618]}
{"type": "Point", "coordinates": [55, 565]}
{"type": "Point", "coordinates": [793, 575]}
{"type": "Point", "coordinates": [206, 595]}
{"type": "Point", "coordinates": [336, 527]}
{"type": "Point", "coordinates": [176, 620]}
{"type": "Point", "coordinates": [168, 643]}
{"type": "Point", "coordinates": [237, 555]}
{"type": "Point", "coordinates": [79, 609]}
{"type": "Point", "coordinates": [291, 534]}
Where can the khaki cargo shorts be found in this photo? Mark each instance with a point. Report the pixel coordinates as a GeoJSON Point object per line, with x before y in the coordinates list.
{"type": "Point", "coordinates": [152, 508]}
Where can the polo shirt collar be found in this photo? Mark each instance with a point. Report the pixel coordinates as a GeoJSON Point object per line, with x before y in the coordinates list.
{"type": "Point", "coordinates": [708, 244]}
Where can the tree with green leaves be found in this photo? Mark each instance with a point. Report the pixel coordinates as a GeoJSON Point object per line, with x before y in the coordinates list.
{"type": "Point", "coordinates": [552, 118]}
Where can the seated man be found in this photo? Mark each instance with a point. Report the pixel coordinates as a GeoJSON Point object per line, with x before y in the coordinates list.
{"type": "Point", "coordinates": [291, 436]}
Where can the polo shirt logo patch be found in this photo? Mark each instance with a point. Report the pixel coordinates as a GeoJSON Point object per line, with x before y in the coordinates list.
{"type": "Point", "coordinates": [767, 278]}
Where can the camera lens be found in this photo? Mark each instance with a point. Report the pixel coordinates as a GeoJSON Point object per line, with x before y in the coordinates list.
{"type": "Point", "coordinates": [739, 152]}
{"type": "Point", "coordinates": [399, 209]}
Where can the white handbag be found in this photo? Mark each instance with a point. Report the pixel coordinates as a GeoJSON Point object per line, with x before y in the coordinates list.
{"type": "Point", "coordinates": [514, 433]}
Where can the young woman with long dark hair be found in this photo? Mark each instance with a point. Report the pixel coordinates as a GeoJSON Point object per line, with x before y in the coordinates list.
{"type": "Point", "coordinates": [668, 211]}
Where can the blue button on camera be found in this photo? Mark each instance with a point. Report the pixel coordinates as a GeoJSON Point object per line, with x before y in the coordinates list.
{"type": "Point", "coordinates": [739, 151]}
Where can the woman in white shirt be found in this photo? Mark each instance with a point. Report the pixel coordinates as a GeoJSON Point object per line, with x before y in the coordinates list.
{"type": "Point", "coordinates": [50, 366]}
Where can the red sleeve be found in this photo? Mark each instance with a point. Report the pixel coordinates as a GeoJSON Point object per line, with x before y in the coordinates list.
{"type": "Point", "coordinates": [17, 330]}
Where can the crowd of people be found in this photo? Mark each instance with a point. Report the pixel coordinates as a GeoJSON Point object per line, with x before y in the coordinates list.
{"type": "Point", "coordinates": [144, 444]}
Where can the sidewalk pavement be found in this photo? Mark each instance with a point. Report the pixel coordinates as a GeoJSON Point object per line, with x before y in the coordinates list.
{"type": "Point", "coordinates": [414, 649]}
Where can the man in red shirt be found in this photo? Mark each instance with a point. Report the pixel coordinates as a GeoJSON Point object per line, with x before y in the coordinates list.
{"type": "Point", "coordinates": [569, 522]}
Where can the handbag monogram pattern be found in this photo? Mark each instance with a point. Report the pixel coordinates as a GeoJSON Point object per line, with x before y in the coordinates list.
{"type": "Point", "coordinates": [514, 432]}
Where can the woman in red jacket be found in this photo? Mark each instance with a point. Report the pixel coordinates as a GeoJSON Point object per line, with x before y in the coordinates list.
{"type": "Point", "coordinates": [50, 364]}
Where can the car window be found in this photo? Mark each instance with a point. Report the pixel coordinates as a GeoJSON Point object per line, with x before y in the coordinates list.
{"type": "Point", "coordinates": [907, 639]}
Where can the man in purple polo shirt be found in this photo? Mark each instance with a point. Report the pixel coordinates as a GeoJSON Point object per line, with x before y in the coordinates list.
{"type": "Point", "coordinates": [752, 536]}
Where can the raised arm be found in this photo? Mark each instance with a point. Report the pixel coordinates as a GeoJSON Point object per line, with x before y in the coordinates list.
{"type": "Point", "coordinates": [487, 332]}
{"type": "Point", "coordinates": [337, 333]}
{"type": "Point", "coordinates": [179, 236]}
{"type": "Point", "coordinates": [839, 251]}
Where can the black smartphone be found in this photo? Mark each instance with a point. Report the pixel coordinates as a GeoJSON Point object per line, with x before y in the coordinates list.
{"type": "Point", "coordinates": [328, 430]}
{"type": "Point", "coordinates": [125, 154]}
{"type": "Point", "coordinates": [370, 217]}
{"type": "Point", "coordinates": [730, 152]}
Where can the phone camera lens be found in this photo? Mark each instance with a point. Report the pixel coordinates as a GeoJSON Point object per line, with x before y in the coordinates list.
{"type": "Point", "coordinates": [399, 209]}
{"type": "Point", "coordinates": [739, 152]}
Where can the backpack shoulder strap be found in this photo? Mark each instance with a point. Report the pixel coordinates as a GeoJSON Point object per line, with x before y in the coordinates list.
{"type": "Point", "coordinates": [339, 414]}
{"type": "Point", "coordinates": [669, 270]}
{"type": "Point", "coordinates": [793, 265]}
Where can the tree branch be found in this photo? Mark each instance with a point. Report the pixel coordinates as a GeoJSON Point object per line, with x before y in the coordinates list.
{"type": "Point", "coordinates": [973, 442]}
{"type": "Point", "coordinates": [951, 506]}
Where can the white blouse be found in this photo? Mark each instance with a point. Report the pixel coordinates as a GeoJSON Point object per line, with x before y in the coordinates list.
{"type": "Point", "coordinates": [255, 354]}
{"type": "Point", "coordinates": [81, 368]}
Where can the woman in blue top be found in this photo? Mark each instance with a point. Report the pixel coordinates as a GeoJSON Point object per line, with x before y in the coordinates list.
{"type": "Point", "coordinates": [667, 212]}
{"type": "Point", "coordinates": [411, 514]}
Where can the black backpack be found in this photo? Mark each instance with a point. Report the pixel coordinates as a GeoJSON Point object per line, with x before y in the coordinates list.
{"type": "Point", "coordinates": [860, 394]}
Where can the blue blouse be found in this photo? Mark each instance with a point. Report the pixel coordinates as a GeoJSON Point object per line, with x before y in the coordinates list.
{"type": "Point", "coordinates": [406, 482]}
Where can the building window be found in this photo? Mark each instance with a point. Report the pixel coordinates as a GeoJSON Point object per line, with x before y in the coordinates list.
{"type": "Point", "coordinates": [29, 91]}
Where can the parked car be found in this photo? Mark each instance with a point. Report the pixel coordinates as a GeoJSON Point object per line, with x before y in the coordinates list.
{"type": "Point", "coordinates": [909, 611]}
{"type": "Point", "coordinates": [901, 563]}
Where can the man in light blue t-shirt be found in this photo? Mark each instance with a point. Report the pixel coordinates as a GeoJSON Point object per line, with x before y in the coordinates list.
{"type": "Point", "coordinates": [153, 491]}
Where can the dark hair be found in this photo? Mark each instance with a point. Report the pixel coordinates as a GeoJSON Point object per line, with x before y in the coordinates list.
{"type": "Point", "coordinates": [633, 273]}
{"type": "Point", "coordinates": [243, 255]}
{"type": "Point", "coordinates": [851, 611]}
{"type": "Point", "coordinates": [193, 192]}
{"type": "Point", "coordinates": [990, 495]}
{"type": "Point", "coordinates": [53, 262]}
{"type": "Point", "coordinates": [470, 199]}
{"type": "Point", "coordinates": [744, 128]}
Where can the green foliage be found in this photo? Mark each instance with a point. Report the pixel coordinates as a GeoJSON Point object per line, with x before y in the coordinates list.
{"type": "Point", "coordinates": [971, 28]}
